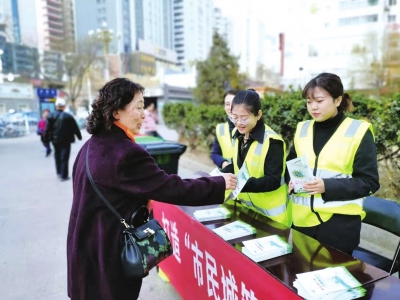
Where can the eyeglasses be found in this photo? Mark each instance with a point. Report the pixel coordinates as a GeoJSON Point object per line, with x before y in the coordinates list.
{"type": "Point", "coordinates": [239, 121]}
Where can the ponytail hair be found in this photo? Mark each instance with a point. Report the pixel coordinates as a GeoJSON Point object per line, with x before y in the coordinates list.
{"type": "Point", "coordinates": [347, 104]}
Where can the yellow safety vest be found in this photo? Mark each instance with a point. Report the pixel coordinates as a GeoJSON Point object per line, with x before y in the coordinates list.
{"type": "Point", "coordinates": [334, 161]}
{"type": "Point", "coordinates": [276, 204]}
{"type": "Point", "coordinates": [224, 140]}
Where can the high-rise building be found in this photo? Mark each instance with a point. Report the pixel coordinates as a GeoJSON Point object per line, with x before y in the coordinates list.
{"type": "Point", "coordinates": [245, 31]}
{"type": "Point", "coordinates": [97, 15]}
{"type": "Point", "coordinates": [323, 36]}
{"type": "Point", "coordinates": [192, 29]}
{"type": "Point", "coordinates": [222, 24]}
{"type": "Point", "coordinates": [6, 20]}
{"type": "Point", "coordinates": [153, 21]}
{"type": "Point", "coordinates": [47, 24]}
{"type": "Point", "coordinates": [248, 42]}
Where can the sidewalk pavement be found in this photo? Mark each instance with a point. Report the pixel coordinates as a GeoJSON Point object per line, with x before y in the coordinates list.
{"type": "Point", "coordinates": [34, 215]}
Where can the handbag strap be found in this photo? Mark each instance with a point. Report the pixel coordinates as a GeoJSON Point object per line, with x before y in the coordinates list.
{"type": "Point", "coordinates": [121, 219]}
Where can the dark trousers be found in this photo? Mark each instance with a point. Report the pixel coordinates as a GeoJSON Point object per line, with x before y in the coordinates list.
{"type": "Point", "coordinates": [340, 231]}
{"type": "Point", "coordinates": [61, 156]}
{"type": "Point", "coordinates": [46, 145]}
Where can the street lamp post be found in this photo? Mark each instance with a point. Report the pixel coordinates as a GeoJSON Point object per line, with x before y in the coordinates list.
{"type": "Point", "coordinates": [105, 36]}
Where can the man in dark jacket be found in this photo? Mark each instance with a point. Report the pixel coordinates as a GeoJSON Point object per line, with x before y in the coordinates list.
{"type": "Point", "coordinates": [61, 128]}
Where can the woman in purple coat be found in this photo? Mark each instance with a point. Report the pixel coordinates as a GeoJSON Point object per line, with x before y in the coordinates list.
{"type": "Point", "coordinates": [127, 176]}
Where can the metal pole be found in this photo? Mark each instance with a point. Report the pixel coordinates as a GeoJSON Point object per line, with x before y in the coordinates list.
{"type": "Point", "coordinates": [107, 69]}
{"type": "Point", "coordinates": [1, 67]}
{"type": "Point", "coordinates": [26, 124]}
{"type": "Point", "coordinates": [89, 86]}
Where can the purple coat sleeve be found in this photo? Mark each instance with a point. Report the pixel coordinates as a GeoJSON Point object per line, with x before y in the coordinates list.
{"type": "Point", "coordinates": [137, 173]}
{"type": "Point", "coordinates": [127, 176]}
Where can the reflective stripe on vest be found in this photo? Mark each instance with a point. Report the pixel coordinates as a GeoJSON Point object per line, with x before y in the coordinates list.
{"type": "Point", "coordinates": [272, 212]}
{"type": "Point", "coordinates": [271, 204]}
{"type": "Point", "coordinates": [224, 140]}
{"type": "Point", "coordinates": [342, 146]}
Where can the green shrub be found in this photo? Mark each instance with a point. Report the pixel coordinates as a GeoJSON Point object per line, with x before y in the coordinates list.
{"type": "Point", "coordinates": [196, 124]}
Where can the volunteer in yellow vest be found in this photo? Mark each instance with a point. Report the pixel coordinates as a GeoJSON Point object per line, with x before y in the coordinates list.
{"type": "Point", "coordinates": [221, 153]}
{"type": "Point", "coordinates": [342, 154]}
{"type": "Point", "coordinates": [263, 151]}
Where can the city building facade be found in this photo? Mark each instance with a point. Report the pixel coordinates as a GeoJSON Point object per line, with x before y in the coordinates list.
{"type": "Point", "coordinates": [192, 30]}
{"type": "Point", "coordinates": [116, 16]}
{"type": "Point", "coordinates": [335, 36]}
{"type": "Point", "coordinates": [153, 22]}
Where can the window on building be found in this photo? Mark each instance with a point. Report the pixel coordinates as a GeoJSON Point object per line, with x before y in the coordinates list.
{"type": "Point", "coordinates": [22, 106]}
{"type": "Point", "coordinates": [358, 20]}
{"type": "Point", "coordinates": [178, 26]}
{"type": "Point", "coordinates": [392, 18]}
{"type": "Point", "coordinates": [178, 1]}
{"type": "Point", "coordinates": [356, 4]}
{"type": "Point", "coordinates": [181, 57]}
{"type": "Point", "coordinates": [392, 2]}
{"type": "Point", "coordinates": [178, 45]}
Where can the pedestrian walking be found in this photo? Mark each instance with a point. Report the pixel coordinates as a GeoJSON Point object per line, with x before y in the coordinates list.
{"type": "Point", "coordinates": [61, 129]}
{"type": "Point", "coordinates": [42, 129]}
{"type": "Point", "coordinates": [128, 177]}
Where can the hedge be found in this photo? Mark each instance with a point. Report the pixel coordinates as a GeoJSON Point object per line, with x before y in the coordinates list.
{"type": "Point", "coordinates": [196, 124]}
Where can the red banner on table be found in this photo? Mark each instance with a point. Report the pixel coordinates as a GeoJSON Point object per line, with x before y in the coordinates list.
{"type": "Point", "coordinates": [205, 266]}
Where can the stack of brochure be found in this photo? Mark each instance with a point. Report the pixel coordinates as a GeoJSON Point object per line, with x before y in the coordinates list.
{"type": "Point", "coordinates": [235, 230]}
{"type": "Point", "coordinates": [328, 284]}
{"type": "Point", "coordinates": [266, 248]}
{"type": "Point", "coordinates": [212, 214]}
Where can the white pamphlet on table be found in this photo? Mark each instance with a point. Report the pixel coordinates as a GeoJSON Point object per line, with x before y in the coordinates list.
{"type": "Point", "coordinates": [328, 284]}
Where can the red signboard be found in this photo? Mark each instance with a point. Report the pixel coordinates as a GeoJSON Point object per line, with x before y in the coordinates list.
{"type": "Point", "coordinates": [205, 266]}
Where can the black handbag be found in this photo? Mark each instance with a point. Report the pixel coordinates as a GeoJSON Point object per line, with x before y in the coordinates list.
{"type": "Point", "coordinates": [144, 243]}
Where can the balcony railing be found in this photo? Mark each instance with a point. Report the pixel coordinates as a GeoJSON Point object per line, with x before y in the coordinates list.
{"type": "Point", "coordinates": [54, 9]}
{"type": "Point", "coordinates": [55, 16]}
{"type": "Point", "coordinates": [51, 31]}
{"type": "Point", "coordinates": [54, 2]}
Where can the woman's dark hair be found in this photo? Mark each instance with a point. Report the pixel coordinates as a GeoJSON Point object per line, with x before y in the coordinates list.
{"type": "Point", "coordinates": [250, 99]}
{"type": "Point", "coordinates": [230, 92]}
{"type": "Point", "coordinates": [333, 85]}
{"type": "Point", "coordinates": [114, 95]}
